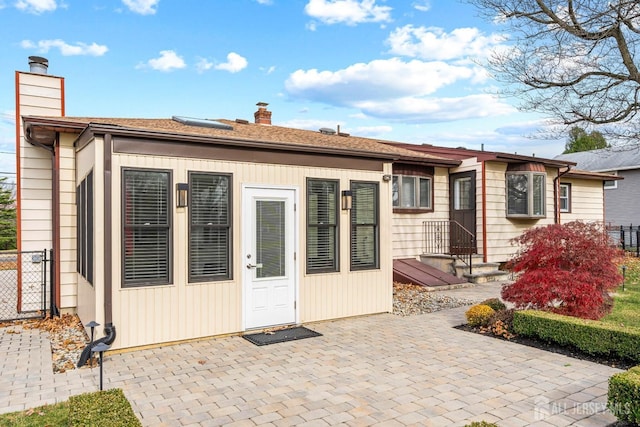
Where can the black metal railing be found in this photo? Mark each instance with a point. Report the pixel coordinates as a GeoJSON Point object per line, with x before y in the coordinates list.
{"type": "Point", "coordinates": [626, 237]}
{"type": "Point", "coordinates": [25, 284]}
{"type": "Point", "coordinates": [449, 238]}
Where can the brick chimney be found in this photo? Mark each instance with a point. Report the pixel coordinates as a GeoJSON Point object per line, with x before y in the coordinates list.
{"type": "Point", "coordinates": [263, 116]}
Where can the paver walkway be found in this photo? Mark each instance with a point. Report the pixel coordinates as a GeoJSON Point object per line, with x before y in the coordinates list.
{"type": "Point", "coordinates": [371, 370]}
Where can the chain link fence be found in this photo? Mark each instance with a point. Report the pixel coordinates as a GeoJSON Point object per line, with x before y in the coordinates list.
{"type": "Point", "coordinates": [24, 280]}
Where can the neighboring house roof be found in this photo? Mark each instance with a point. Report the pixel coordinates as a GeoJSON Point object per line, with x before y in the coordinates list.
{"type": "Point", "coordinates": [240, 131]}
{"type": "Point", "coordinates": [606, 159]}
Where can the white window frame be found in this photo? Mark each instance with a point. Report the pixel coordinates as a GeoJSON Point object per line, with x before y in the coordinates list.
{"type": "Point", "coordinates": [611, 184]}
{"type": "Point", "coordinates": [530, 195]}
{"type": "Point", "coordinates": [400, 201]}
{"type": "Point", "coordinates": [566, 197]}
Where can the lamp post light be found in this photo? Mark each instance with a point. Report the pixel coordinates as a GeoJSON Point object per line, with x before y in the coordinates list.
{"type": "Point", "coordinates": [100, 348]}
{"type": "Point", "coordinates": [93, 324]}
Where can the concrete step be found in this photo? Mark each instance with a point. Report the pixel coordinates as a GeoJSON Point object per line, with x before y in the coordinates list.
{"type": "Point", "coordinates": [482, 272]}
{"type": "Point", "coordinates": [445, 262]}
{"type": "Point", "coordinates": [487, 276]}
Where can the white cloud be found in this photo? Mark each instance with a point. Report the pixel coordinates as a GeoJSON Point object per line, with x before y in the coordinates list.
{"type": "Point", "coordinates": [434, 110]}
{"type": "Point", "coordinates": [378, 79]}
{"type": "Point", "coordinates": [167, 61]}
{"type": "Point", "coordinates": [37, 6]}
{"type": "Point", "coordinates": [203, 65]}
{"type": "Point", "coordinates": [350, 12]}
{"type": "Point", "coordinates": [422, 6]}
{"type": "Point", "coordinates": [369, 131]}
{"type": "Point", "coordinates": [66, 49]}
{"type": "Point", "coordinates": [234, 64]}
{"type": "Point", "coordinates": [311, 124]}
{"type": "Point", "coordinates": [143, 7]}
{"type": "Point", "coordinates": [397, 90]}
{"type": "Point", "coordinates": [265, 2]}
{"type": "Point", "coordinates": [268, 70]}
{"type": "Point", "coordinates": [435, 44]}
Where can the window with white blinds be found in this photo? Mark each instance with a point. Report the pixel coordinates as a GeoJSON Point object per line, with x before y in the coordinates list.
{"type": "Point", "coordinates": [146, 221]}
{"type": "Point", "coordinates": [365, 240]}
{"type": "Point", "coordinates": [209, 227]}
{"type": "Point", "coordinates": [322, 225]}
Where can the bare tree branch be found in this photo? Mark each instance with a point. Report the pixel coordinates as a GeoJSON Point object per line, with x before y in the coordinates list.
{"type": "Point", "coordinates": [573, 60]}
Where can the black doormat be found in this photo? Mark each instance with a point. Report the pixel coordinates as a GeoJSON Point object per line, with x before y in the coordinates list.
{"type": "Point", "coordinates": [282, 335]}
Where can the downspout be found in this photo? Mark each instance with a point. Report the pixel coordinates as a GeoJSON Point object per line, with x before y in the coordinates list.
{"type": "Point", "coordinates": [484, 213]}
{"type": "Point", "coordinates": [55, 212]}
{"type": "Point", "coordinates": [556, 194]}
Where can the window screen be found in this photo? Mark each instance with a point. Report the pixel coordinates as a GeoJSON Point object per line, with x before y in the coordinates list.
{"type": "Point", "coordinates": [322, 225]}
{"type": "Point", "coordinates": [364, 226]}
{"type": "Point", "coordinates": [210, 227]}
{"type": "Point", "coordinates": [146, 227]}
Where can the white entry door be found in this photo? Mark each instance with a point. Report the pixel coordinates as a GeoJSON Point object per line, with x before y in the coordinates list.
{"type": "Point", "coordinates": [269, 230]}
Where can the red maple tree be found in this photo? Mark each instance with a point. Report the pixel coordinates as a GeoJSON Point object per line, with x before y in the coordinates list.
{"type": "Point", "coordinates": [565, 268]}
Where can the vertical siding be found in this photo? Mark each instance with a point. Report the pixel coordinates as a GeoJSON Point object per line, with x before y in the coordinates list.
{"type": "Point", "coordinates": [587, 201]}
{"type": "Point", "coordinates": [90, 300]}
{"type": "Point", "coordinates": [36, 95]}
{"type": "Point", "coordinates": [181, 310]}
{"type": "Point", "coordinates": [407, 239]}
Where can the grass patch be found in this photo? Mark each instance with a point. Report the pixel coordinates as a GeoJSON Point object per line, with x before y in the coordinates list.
{"type": "Point", "coordinates": [626, 305]}
{"type": "Point", "coordinates": [99, 409]}
{"type": "Point", "coordinates": [48, 415]}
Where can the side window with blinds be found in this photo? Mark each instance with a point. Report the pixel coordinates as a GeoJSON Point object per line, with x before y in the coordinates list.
{"type": "Point", "coordinates": [322, 225]}
{"type": "Point", "coordinates": [84, 227]}
{"type": "Point", "coordinates": [365, 235]}
{"type": "Point", "coordinates": [209, 227]}
{"type": "Point", "coordinates": [146, 227]}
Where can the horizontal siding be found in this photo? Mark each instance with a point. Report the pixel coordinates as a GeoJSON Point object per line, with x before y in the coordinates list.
{"type": "Point", "coordinates": [37, 95]}
{"type": "Point", "coordinates": [407, 239]}
{"type": "Point", "coordinates": [622, 204]}
{"type": "Point", "coordinates": [68, 278]}
{"type": "Point", "coordinates": [184, 311]}
{"type": "Point", "coordinates": [587, 201]}
{"type": "Point", "coordinates": [500, 229]}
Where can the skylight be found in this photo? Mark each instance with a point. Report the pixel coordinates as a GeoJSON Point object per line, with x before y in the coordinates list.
{"type": "Point", "coordinates": [203, 123]}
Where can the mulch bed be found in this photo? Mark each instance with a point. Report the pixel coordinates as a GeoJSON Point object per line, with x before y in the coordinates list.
{"type": "Point", "coordinates": [614, 362]}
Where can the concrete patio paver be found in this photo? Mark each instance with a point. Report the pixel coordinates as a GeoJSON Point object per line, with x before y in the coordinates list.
{"type": "Point", "coordinates": [371, 370]}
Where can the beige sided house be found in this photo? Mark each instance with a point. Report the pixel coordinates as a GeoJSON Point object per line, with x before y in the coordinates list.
{"type": "Point", "coordinates": [495, 197]}
{"type": "Point", "coordinates": [175, 229]}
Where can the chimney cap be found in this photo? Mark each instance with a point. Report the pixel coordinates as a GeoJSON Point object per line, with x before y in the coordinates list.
{"type": "Point", "coordinates": [262, 104]}
{"type": "Point", "coordinates": [38, 64]}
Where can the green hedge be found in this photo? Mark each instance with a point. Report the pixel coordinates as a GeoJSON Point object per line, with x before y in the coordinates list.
{"type": "Point", "coordinates": [624, 395]}
{"type": "Point", "coordinates": [108, 408]}
{"type": "Point", "coordinates": [590, 336]}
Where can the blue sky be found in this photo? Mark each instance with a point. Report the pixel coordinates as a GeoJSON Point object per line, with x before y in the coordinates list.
{"type": "Point", "coordinates": [400, 70]}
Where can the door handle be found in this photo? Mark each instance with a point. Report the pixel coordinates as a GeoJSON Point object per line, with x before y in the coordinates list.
{"type": "Point", "coordinates": [250, 266]}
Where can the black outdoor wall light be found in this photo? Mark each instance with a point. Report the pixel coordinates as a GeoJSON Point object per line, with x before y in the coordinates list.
{"type": "Point", "coordinates": [182, 195]}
